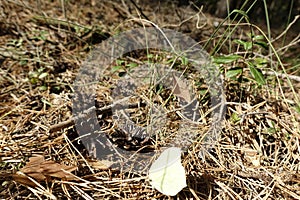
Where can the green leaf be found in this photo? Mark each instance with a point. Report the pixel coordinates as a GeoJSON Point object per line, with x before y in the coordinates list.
{"type": "Point", "coordinates": [235, 118]}
{"type": "Point", "coordinates": [150, 56]}
{"type": "Point", "coordinates": [33, 74]}
{"type": "Point", "coordinates": [260, 62]}
{"type": "Point", "coordinates": [233, 73]}
{"type": "Point", "coordinates": [170, 61]}
{"type": "Point", "coordinates": [258, 37]}
{"type": "Point", "coordinates": [262, 44]}
{"type": "Point", "coordinates": [297, 108]}
{"type": "Point", "coordinates": [132, 65]}
{"type": "Point", "coordinates": [43, 88]}
{"type": "Point", "coordinates": [271, 130]}
{"type": "Point", "coordinates": [184, 60]}
{"type": "Point", "coordinates": [257, 75]}
{"type": "Point", "coordinates": [119, 62]}
{"type": "Point", "coordinates": [116, 68]}
{"type": "Point", "coordinates": [43, 75]}
{"type": "Point", "coordinates": [246, 45]}
{"type": "Point", "coordinates": [23, 62]}
{"type": "Point", "coordinates": [33, 80]}
{"type": "Point", "coordinates": [226, 59]}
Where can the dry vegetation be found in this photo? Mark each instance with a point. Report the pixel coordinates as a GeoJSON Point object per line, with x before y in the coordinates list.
{"type": "Point", "coordinates": [42, 47]}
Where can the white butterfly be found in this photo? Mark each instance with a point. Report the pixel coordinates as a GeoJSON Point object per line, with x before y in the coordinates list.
{"type": "Point", "coordinates": [167, 174]}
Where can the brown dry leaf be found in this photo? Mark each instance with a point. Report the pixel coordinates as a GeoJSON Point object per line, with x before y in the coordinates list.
{"type": "Point", "coordinates": [23, 179]}
{"type": "Point", "coordinates": [252, 156]}
{"type": "Point", "coordinates": [100, 165]}
{"type": "Point", "coordinates": [33, 169]}
{"type": "Point", "coordinates": [181, 90]}
{"type": "Point", "coordinates": [40, 170]}
{"type": "Point", "coordinates": [53, 169]}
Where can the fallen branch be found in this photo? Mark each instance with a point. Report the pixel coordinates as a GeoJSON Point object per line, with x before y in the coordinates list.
{"type": "Point", "coordinates": [281, 75]}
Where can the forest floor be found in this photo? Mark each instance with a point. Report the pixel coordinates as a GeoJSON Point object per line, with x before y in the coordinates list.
{"type": "Point", "coordinates": [45, 44]}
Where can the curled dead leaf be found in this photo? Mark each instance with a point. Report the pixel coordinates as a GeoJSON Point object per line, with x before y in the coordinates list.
{"type": "Point", "coordinates": [181, 89]}
{"type": "Point", "coordinates": [40, 170]}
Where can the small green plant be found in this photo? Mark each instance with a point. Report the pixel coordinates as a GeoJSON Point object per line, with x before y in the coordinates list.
{"type": "Point", "coordinates": [233, 73]}
{"type": "Point", "coordinates": [38, 76]}
{"type": "Point", "coordinates": [123, 66]}
{"type": "Point", "coordinates": [235, 118]}
{"type": "Point", "coordinates": [41, 35]}
{"type": "Point", "coordinates": [256, 40]}
{"type": "Point", "coordinates": [256, 74]}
